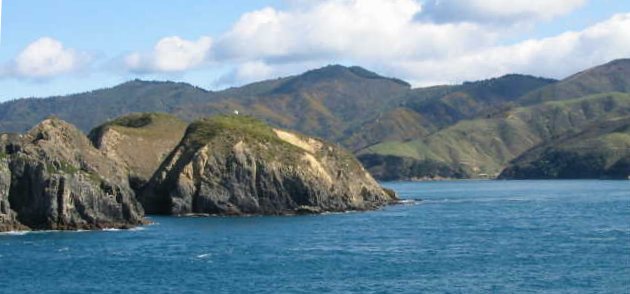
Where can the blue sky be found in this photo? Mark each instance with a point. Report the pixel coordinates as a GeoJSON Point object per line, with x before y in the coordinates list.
{"type": "Point", "coordinates": [66, 46]}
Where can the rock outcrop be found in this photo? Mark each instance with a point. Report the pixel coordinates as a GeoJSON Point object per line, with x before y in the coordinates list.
{"type": "Point", "coordinates": [236, 165]}
{"type": "Point", "coordinates": [8, 217]}
{"type": "Point", "coordinates": [141, 141]}
{"type": "Point", "coordinates": [53, 178]}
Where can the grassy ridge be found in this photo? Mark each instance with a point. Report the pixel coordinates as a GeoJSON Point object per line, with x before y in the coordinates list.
{"type": "Point", "coordinates": [204, 130]}
{"type": "Point", "coordinates": [610, 77]}
{"type": "Point", "coordinates": [147, 125]}
{"type": "Point", "coordinates": [140, 140]}
{"type": "Point", "coordinates": [484, 146]}
{"type": "Point", "coordinates": [601, 150]}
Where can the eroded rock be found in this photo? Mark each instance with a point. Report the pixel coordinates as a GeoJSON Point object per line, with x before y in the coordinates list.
{"type": "Point", "coordinates": [53, 178]}
{"type": "Point", "coordinates": [235, 165]}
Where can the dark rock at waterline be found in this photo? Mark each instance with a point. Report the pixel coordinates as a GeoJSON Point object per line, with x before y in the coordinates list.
{"type": "Point", "coordinates": [8, 217]}
{"type": "Point", "coordinates": [52, 178]}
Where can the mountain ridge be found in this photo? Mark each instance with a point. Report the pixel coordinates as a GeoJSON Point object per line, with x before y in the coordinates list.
{"type": "Point", "coordinates": [356, 108]}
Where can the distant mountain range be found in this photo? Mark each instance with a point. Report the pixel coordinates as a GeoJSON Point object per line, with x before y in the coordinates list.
{"type": "Point", "coordinates": [472, 130]}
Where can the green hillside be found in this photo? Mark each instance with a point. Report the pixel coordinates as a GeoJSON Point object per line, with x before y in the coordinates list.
{"type": "Point", "coordinates": [329, 102]}
{"type": "Point", "coordinates": [469, 130]}
{"type": "Point", "coordinates": [426, 110]}
{"type": "Point", "coordinates": [482, 147]}
{"type": "Point", "coordinates": [88, 110]}
{"type": "Point", "coordinates": [473, 99]}
{"type": "Point", "coordinates": [610, 77]}
{"type": "Point", "coordinates": [350, 105]}
{"type": "Point", "coordinates": [601, 150]}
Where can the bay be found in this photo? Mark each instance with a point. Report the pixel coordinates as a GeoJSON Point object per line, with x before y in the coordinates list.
{"type": "Point", "coordinates": [463, 237]}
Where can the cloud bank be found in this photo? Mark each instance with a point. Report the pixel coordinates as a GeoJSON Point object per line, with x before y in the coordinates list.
{"type": "Point", "coordinates": [442, 41]}
{"type": "Point", "coordinates": [429, 42]}
{"type": "Point", "coordinates": [557, 56]}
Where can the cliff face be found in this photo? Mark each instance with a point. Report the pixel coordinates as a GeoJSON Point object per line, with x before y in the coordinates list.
{"type": "Point", "coordinates": [52, 178]}
{"type": "Point", "coordinates": [233, 165]}
{"type": "Point", "coordinates": [8, 217]}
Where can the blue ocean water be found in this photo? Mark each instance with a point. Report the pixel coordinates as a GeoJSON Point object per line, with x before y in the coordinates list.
{"type": "Point", "coordinates": [465, 237]}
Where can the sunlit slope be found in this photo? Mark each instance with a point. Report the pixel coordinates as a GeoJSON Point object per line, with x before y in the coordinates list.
{"type": "Point", "coordinates": [485, 146]}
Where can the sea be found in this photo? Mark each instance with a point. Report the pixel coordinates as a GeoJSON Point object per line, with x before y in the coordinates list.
{"type": "Point", "coordinates": [446, 237]}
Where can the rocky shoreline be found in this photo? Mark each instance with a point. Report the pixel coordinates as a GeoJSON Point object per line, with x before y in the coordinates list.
{"type": "Point", "coordinates": [54, 178]}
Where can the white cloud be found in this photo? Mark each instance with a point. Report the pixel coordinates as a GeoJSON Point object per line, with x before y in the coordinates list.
{"type": "Point", "coordinates": [345, 29]}
{"type": "Point", "coordinates": [556, 57]}
{"type": "Point", "coordinates": [46, 58]}
{"type": "Point", "coordinates": [496, 11]}
{"type": "Point", "coordinates": [171, 54]}
{"type": "Point", "coordinates": [384, 35]}
{"type": "Point", "coordinates": [447, 42]}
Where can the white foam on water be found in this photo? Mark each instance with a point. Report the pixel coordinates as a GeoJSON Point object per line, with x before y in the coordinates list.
{"type": "Point", "coordinates": [14, 233]}
{"type": "Point", "coordinates": [21, 233]}
{"type": "Point", "coordinates": [111, 230]}
{"type": "Point", "coordinates": [134, 229]}
{"type": "Point", "coordinates": [204, 255]}
{"type": "Point", "coordinates": [408, 202]}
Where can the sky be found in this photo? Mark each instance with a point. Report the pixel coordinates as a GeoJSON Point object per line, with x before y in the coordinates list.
{"type": "Point", "coordinates": [57, 47]}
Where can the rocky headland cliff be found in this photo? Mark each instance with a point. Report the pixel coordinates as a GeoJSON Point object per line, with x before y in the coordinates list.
{"type": "Point", "coordinates": [54, 177]}
{"type": "Point", "coordinates": [236, 165]}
